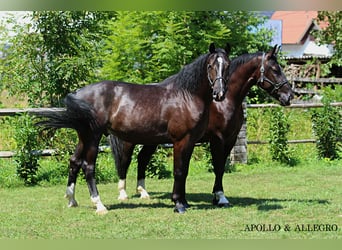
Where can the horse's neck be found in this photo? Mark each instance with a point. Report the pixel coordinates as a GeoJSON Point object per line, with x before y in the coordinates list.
{"type": "Point", "coordinates": [242, 80]}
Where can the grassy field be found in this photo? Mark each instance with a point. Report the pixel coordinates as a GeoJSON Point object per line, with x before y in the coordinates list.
{"type": "Point", "coordinates": [269, 196]}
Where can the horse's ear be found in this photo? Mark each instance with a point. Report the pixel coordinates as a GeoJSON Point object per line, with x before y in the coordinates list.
{"type": "Point", "coordinates": [212, 48]}
{"type": "Point", "coordinates": [227, 48]}
{"type": "Point", "coordinates": [274, 51]}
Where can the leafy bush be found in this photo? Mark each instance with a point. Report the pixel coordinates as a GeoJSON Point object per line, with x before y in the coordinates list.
{"type": "Point", "coordinates": [327, 127]}
{"type": "Point", "coordinates": [279, 128]}
{"type": "Point", "coordinates": [157, 167]}
{"type": "Point", "coordinates": [27, 154]}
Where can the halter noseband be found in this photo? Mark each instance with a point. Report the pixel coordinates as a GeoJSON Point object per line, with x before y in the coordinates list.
{"type": "Point", "coordinates": [217, 78]}
{"type": "Point", "coordinates": [263, 78]}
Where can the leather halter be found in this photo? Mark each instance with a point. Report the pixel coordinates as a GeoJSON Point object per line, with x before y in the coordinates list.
{"type": "Point", "coordinates": [217, 78]}
{"type": "Point", "coordinates": [276, 86]}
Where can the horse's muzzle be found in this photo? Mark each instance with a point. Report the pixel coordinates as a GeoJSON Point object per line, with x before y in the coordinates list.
{"type": "Point", "coordinates": [219, 96]}
{"type": "Point", "coordinates": [285, 100]}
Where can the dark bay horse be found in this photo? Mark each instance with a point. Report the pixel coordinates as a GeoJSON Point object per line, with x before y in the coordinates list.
{"type": "Point", "coordinates": [225, 121]}
{"type": "Point", "coordinates": [173, 111]}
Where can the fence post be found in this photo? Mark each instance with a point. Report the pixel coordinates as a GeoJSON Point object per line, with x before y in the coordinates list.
{"type": "Point", "coordinates": [239, 151]}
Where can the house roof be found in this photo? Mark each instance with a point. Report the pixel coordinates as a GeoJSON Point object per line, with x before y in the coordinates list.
{"type": "Point", "coordinates": [296, 24]}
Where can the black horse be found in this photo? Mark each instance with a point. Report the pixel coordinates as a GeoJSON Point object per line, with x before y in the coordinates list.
{"type": "Point", "coordinates": [225, 120]}
{"type": "Point", "coordinates": [173, 111]}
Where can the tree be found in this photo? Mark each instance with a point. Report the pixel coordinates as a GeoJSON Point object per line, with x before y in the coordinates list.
{"type": "Point", "coordinates": [332, 34]}
{"type": "Point", "coordinates": [53, 54]}
{"type": "Point", "coordinates": [60, 51]}
{"type": "Point", "coordinates": [150, 46]}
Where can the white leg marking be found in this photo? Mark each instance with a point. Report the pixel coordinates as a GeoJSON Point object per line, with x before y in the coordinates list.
{"type": "Point", "coordinates": [141, 189]}
{"type": "Point", "coordinates": [70, 195]}
{"type": "Point", "coordinates": [122, 190]}
{"type": "Point", "coordinates": [100, 208]}
{"type": "Point", "coordinates": [222, 200]}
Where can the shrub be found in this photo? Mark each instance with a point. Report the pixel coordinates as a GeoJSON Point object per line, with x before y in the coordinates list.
{"type": "Point", "coordinates": [27, 154]}
{"type": "Point", "coordinates": [279, 128]}
{"type": "Point", "coordinates": [326, 124]}
{"type": "Point", "coordinates": [157, 167]}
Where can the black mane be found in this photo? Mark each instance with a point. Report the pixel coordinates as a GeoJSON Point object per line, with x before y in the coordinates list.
{"type": "Point", "coordinates": [189, 77]}
{"type": "Point", "coordinates": [240, 60]}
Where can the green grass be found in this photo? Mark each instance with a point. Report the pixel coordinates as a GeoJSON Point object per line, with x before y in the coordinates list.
{"type": "Point", "coordinates": [261, 193]}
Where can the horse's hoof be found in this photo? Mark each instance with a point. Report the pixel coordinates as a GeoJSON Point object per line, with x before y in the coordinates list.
{"type": "Point", "coordinates": [72, 204]}
{"type": "Point", "coordinates": [225, 205]}
{"type": "Point", "coordinates": [144, 197]}
{"type": "Point", "coordinates": [123, 198]}
{"type": "Point", "coordinates": [101, 212]}
{"type": "Point", "coordinates": [180, 208]}
{"type": "Point", "coordinates": [143, 193]}
{"type": "Point", "coordinates": [220, 200]}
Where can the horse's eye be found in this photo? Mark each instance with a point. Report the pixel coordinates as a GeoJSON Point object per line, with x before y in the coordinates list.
{"type": "Point", "coordinates": [275, 70]}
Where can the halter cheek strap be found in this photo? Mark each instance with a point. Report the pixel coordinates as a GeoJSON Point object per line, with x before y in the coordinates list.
{"type": "Point", "coordinates": [262, 69]}
{"type": "Point", "coordinates": [263, 78]}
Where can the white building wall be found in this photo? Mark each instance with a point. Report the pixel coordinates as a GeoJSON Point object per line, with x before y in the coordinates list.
{"type": "Point", "coordinates": [309, 48]}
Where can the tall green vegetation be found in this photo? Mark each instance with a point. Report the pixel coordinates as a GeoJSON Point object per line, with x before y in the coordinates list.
{"type": "Point", "coordinates": [278, 131]}
{"type": "Point", "coordinates": [54, 53]}
{"type": "Point", "coordinates": [59, 51]}
{"type": "Point", "coordinates": [327, 127]}
{"type": "Point", "coordinates": [150, 46]}
{"type": "Point", "coordinates": [26, 157]}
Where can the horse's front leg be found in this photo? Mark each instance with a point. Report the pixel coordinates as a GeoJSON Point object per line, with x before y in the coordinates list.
{"type": "Point", "coordinates": [219, 158]}
{"type": "Point", "coordinates": [181, 154]}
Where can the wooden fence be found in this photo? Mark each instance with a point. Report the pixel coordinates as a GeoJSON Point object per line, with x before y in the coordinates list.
{"type": "Point", "coordinates": [238, 154]}
{"type": "Point", "coordinates": [300, 85]}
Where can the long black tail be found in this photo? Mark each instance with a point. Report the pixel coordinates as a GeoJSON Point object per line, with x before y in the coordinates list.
{"type": "Point", "coordinates": [116, 144]}
{"type": "Point", "coordinates": [78, 115]}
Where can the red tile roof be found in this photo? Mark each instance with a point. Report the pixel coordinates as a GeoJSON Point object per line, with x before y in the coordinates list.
{"type": "Point", "coordinates": [295, 24]}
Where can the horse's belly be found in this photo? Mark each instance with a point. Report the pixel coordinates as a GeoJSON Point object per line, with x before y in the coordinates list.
{"type": "Point", "coordinates": [140, 130]}
{"type": "Point", "coordinates": [141, 136]}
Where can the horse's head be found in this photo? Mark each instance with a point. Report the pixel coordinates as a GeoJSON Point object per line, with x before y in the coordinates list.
{"type": "Point", "coordinates": [272, 78]}
{"type": "Point", "coordinates": [217, 68]}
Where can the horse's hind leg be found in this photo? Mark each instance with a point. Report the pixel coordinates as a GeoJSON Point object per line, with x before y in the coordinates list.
{"type": "Point", "coordinates": [90, 152]}
{"type": "Point", "coordinates": [144, 158]}
{"type": "Point", "coordinates": [123, 155]}
{"type": "Point", "coordinates": [74, 167]}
